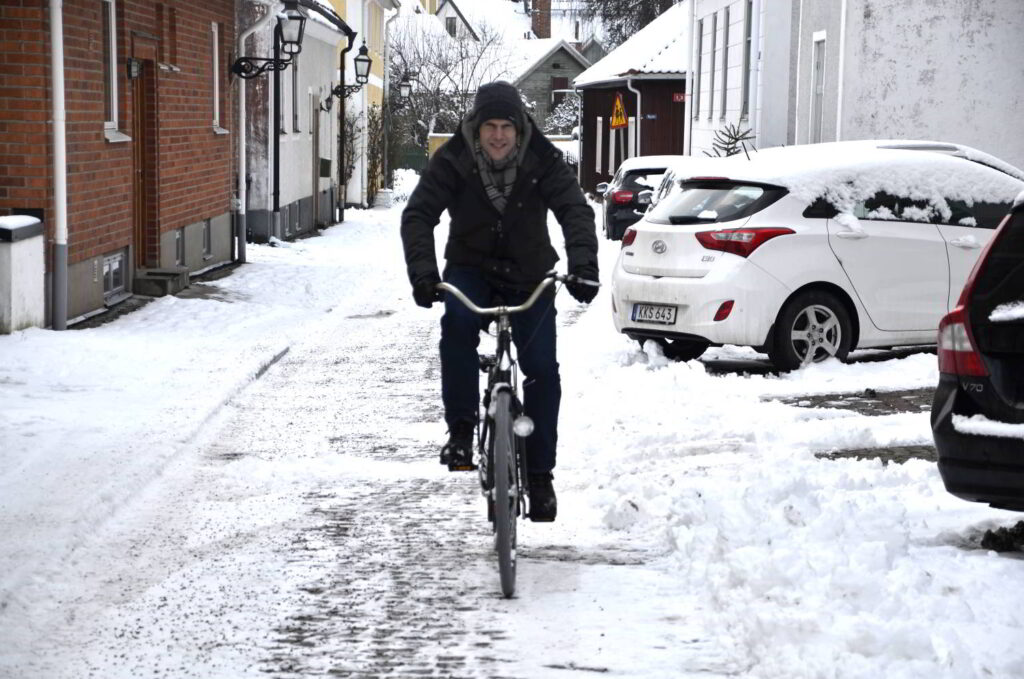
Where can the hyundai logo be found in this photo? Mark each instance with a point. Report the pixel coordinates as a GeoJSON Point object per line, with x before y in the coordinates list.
{"type": "Point", "coordinates": [659, 247]}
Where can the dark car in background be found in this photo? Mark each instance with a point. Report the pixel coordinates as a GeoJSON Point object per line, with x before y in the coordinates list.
{"type": "Point", "coordinates": [628, 194]}
{"type": "Point", "coordinates": [978, 411]}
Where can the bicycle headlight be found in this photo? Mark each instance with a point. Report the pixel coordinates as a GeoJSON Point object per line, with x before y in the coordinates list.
{"type": "Point", "coordinates": [523, 426]}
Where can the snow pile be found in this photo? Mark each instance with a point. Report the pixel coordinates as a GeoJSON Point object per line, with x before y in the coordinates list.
{"type": "Point", "coordinates": [1011, 311]}
{"type": "Point", "coordinates": [405, 182]}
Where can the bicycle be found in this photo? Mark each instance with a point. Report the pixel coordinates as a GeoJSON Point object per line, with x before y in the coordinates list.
{"type": "Point", "coordinates": [503, 428]}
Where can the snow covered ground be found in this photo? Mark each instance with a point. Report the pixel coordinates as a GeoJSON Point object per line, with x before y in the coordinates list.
{"type": "Point", "coordinates": [792, 565]}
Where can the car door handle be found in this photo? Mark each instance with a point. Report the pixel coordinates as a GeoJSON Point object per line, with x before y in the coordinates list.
{"type": "Point", "coordinates": [851, 235]}
{"type": "Point", "coordinates": [967, 243]}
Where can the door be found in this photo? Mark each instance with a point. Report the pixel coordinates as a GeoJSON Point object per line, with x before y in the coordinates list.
{"type": "Point", "coordinates": [897, 268]}
{"type": "Point", "coordinates": [145, 235]}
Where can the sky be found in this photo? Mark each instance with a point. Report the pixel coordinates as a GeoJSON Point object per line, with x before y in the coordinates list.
{"type": "Point", "coordinates": [781, 562]}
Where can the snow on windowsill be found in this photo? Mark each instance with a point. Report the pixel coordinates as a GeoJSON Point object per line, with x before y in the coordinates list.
{"type": "Point", "coordinates": [979, 425]}
{"type": "Point", "coordinates": [116, 137]}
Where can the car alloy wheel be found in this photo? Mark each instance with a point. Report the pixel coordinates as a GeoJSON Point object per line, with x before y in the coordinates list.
{"type": "Point", "coordinates": [812, 327]}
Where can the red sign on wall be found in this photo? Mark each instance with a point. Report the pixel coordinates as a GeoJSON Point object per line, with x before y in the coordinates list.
{"type": "Point", "coordinates": [678, 97]}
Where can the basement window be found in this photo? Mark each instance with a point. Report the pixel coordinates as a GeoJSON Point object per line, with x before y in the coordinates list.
{"type": "Point", "coordinates": [179, 247]}
{"type": "Point", "coordinates": [114, 286]}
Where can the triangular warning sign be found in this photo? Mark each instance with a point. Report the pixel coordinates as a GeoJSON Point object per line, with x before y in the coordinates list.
{"type": "Point", "coordinates": [618, 113]}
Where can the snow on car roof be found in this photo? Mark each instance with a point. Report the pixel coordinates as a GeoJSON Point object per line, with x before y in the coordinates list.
{"type": "Point", "coordinates": [637, 162]}
{"type": "Point", "coordinates": [846, 172]}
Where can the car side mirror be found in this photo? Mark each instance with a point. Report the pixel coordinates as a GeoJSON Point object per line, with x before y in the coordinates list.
{"type": "Point", "coordinates": [644, 197]}
{"type": "Point", "coordinates": [602, 188]}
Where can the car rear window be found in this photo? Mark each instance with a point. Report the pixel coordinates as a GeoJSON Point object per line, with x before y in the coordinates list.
{"type": "Point", "coordinates": [643, 179]}
{"type": "Point", "coordinates": [1001, 278]}
{"type": "Point", "coordinates": [709, 202]}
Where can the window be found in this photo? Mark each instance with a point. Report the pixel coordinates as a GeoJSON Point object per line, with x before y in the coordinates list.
{"type": "Point", "coordinates": [207, 239]}
{"type": "Point", "coordinates": [748, 28]}
{"type": "Point", "coordinates": [725, 63]}
{"type": "Point", "coordinates": [818, 89]}
{"type": "Point", "coordinates": [887, 207]}
{"type": "Point", "coordinates": [295, 93]}
{"type": "Point", "coordinates": [113, 275]}
{"type": "Point", "coordinates": [557, 96]}
{"type": "Point", "coordinates": [179, 247]}
{"type": "Point", "coordinates": [696, 82]}
{"type": "Point", "coordinates": [711, 71]}
{"type": "Point", "coordinates": [450, 26]}
{"type": "Point", "coordinates": [215, 49]}
{"type": "Point", "coordinates": [713, 202]}
{"type": "Point", "coordinates": [109, 57]}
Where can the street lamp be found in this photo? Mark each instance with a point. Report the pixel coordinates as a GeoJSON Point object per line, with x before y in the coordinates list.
{"type": "Point", "coordinates": [363, 63]}
{"type": "Point", "coordinates": [291, 25]}
{"type": "Point", "coordinates": [404, 88]}
{"type": "Point", "coordinates": [362, 66]}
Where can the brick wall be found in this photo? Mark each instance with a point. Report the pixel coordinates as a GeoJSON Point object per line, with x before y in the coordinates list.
{"type": "Point", "coordinates": [191, 167]}
{"type": "Point", "coordinates": [24, 107]}
{"type": "Point", "coordinates": [541, 18]}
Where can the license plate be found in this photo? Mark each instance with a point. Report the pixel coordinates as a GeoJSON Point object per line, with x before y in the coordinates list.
{"type": "Point", "coordinates": [654, 313]}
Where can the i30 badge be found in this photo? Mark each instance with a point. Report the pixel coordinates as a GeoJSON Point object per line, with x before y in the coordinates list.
{"type": "Point", "coordinates": [659, 247]}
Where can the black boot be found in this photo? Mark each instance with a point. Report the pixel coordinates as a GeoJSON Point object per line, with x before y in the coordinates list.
{"type": "Point", "coordinates": [543, 504]}
{"type": "Point", "coordinates": [458, 452]}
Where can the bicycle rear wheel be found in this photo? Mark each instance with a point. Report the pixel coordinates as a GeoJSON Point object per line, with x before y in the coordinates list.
{"type": "Point", "coordinates": [506, 493]}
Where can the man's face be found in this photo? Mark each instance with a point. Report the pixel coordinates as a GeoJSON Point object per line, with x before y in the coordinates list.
{"type": "Point", "coordinates": [497, 138]}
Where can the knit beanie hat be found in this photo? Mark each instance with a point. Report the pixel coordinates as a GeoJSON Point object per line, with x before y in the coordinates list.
{"type": "Point", "coordinates": [498, 100]}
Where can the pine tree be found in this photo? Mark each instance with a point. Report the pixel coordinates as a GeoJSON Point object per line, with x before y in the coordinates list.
{"type": "Point", "coordinates": [623, 18]}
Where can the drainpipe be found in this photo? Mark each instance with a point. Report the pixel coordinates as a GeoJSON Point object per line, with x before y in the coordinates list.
{"type": "Point", "coordinates": [342, 187]}
{"type": "Point", "coordinates": [639, 114]}
{"type": "Point", "coordinates": [387, 99]}
{"type": "Point", "coordinates": [275, 228]}
{"type": "Point", "coordinates": [240, 226]}
{"type": "Point", "coordinates": [60, 170]}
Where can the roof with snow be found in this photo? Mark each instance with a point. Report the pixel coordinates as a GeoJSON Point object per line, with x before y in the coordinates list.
{"type": "Point", "coordinates": [658, 50]}
{"type": "Point", "coordinates": [524, 56]}
{"type": "Point", "coordinates": [500, 16]}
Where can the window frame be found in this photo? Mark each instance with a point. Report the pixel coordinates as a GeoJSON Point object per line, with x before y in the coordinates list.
{"type": "Point", "coordinates": [725, 64]}
{"type": "Point", "coordinates": [109, 59]}
{"type": "Point", "coordinates": [696, 82]}
{"type": "Point", "coordinates": [711, 66]}
{"type": "Point", "coordinates": [748, 33]}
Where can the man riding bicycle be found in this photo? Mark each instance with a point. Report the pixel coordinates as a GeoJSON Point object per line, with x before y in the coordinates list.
{"type": "Point", "coordinates": [498, 176]}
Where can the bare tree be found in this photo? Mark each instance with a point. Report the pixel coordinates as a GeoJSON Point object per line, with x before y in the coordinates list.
{"type": "Point", "coordinates": [446, 72]}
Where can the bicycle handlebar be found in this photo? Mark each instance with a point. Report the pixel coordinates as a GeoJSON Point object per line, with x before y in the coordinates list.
{"type": "Point", "coordinates": [499, 310]}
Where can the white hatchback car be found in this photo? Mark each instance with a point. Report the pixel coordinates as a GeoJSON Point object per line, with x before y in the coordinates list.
{"type": "Point", "coordinates": [807, 252]}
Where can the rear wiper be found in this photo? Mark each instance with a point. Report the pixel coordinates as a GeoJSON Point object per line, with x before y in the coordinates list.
{"type": "Point", "coordinates": [691, 220]}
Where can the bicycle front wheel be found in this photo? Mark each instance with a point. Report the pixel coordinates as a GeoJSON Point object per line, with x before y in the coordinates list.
{"type": "Point", "coordinates": [506, 493]}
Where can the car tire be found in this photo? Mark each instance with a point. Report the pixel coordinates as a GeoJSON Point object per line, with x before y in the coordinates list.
{"type": "Point", "coordinates": [813, 326]}
{"type": "Point", "coordinates": [680, 350]}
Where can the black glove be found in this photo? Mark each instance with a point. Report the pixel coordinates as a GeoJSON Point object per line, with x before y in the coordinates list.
{"type": "Point", "coordinates": [425, 291]}
{"type": "Point", "coordinates": [582, 292]}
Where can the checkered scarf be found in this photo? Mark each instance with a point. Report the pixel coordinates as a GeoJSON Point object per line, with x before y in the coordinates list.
{"type": "Point", "coordinates": [498, 177]}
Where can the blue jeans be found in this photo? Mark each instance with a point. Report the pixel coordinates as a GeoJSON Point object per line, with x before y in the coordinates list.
{"type": "Point", "coordinates": [533, 333]}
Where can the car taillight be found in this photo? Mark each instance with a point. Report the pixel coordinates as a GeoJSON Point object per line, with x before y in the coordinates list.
{"type": "Point", "coordinates": [957, 355]}
{"type": "Point", "coordinates": [622, 196]}
{"type": "Point", "coordinates": [628, 237]}
{"type": "Point", "coordinates": [739, 241]}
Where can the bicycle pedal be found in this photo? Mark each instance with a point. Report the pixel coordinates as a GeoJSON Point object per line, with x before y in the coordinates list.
{"type": "Point", "coordinates": [461, 467]}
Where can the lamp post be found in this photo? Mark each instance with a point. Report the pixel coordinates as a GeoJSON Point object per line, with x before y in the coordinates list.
{"type": "Point", "coordinates": [290, 25]}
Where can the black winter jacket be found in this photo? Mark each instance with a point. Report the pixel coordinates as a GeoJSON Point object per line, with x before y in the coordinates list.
{"type": "Point", "coordinates": [513, 248]}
